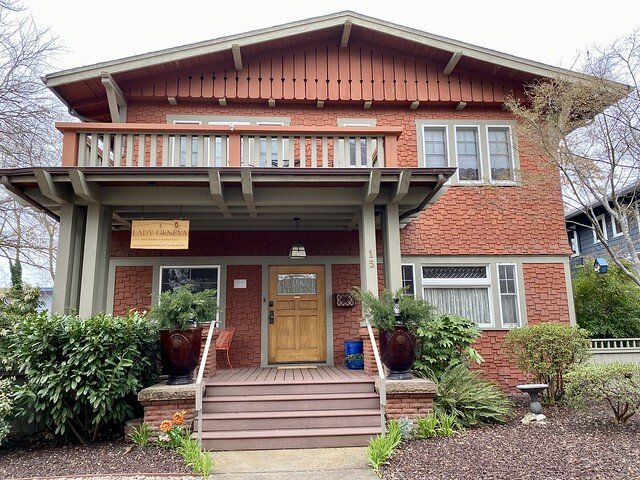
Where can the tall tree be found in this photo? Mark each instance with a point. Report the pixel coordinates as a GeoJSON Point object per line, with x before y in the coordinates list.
{"type": "Point", "coordinates": [27, 134]}
{"type": "Point", "coordinates": [589, 130]}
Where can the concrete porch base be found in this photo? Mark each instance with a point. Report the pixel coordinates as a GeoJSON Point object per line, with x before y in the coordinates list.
{"type": "Point", "coordinates": [161, 401]}
{"type": "Point", "coordinates": [408, 398]}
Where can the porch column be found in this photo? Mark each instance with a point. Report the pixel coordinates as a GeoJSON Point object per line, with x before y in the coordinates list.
{"type": "Point", "coordinates": [368, 255]}
{"type": "Point", "coordinates": [97, 242]}
{"type": "Point", "coordinates": [65, 294]}
{"type": "Point", "coordinates": [391, 246]}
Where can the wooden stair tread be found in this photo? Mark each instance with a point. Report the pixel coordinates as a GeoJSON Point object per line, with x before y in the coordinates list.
{"type": "Point", "coordinates": [289, 414]}
{"type": "Point", "coordinates": [221, 383]}
{"type": "Point", "coordinates": [280, 398]}
{"type": "Point", "coordinates": [290, 432]}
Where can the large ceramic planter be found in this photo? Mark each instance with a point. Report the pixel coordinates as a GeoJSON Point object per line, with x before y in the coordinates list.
{"type": "Point", "coordinates": [398, 352]}
{"type": "Point", "coordinates": [180, 352]}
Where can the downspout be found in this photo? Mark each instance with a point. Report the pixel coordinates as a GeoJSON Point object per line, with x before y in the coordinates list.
{"type": "Point", "coordinates": [430, 195]}
{"type": "Point", "coordinates": [19, 193]}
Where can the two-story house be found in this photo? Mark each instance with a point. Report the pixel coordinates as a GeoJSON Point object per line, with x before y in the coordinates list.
{"type": "Point", "coordinates": [584, 243]}
{"type": "Point", "coordinates": [308, 158]}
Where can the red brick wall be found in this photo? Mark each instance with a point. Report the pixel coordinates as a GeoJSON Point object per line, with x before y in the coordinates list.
{"type": "Point", "coordinates": [409, 405]}
{"type": "Point", "coordinates": [346, 320]}
{"type": "Point", "coordinates": [496, 220]}
{"type": "Point", "coordinates": [497, 367]}
{"type": "Point", "coordinates": [132, 289]}
{"type": "Point", "coordinates": [546, 292]}
{"type": "Point", "coordinates": [243, 311]}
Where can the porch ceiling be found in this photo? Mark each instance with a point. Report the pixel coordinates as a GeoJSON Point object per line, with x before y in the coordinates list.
{"type": "Point", "coordinates": [231, 198]}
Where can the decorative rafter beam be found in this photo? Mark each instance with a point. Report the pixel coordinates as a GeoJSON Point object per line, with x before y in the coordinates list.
{"type": "Point", "coordinates": [372, 188]}
{"type": "Point", "coordinates": [346, 32]}
{"type": "Point", "coordinates": [116, 99]}
{"type": "Point", "coordinates": [217, 192]}
{"type": "Point", "coordinates": [50, 189]}
{"type": "Point", "coordinates": [247, 191]}
{"type": "Point", "coordinates": [237, 56]}
{"type": "Point", "coordinates": [402, 188]}
{"type": "Point", "coordinates": [460, 106]}
{"type": "Point", "coordinates": [88, 191]}
{"type": "Point", "coordinates": [453, 61]}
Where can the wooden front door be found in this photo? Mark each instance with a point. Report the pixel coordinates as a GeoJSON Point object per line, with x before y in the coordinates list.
{"type": "Point", "coordinates": [297, 330]}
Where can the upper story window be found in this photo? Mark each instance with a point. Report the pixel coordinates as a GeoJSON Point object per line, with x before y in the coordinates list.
{"type": "Point", "coordinates": [468, 153]}
{"type": "Point", "coordinates": [574, 242]}
{"type": "Point", "coordinates": [500, 153]}
{"type": "Point", "coordinates": [616, 227]}
{"type": "Point", "coordinates": [435, 147]}
{"type": "Point", "coordinates": [482, 150]}
{"type": "Point", "coordinates": [357, 146]}
{"type": "Point", "coordinates": [602, 221]}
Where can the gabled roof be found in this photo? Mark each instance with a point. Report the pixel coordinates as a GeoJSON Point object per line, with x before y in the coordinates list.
{"type": "Point", "coordinates": [306, 28]}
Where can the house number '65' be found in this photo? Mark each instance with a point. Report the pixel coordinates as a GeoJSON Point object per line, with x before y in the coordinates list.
{"type": "Point", "coordinates": [371, 263]}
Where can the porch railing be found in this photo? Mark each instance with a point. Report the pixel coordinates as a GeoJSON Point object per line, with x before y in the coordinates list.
{"type": "Point", "coordinates": [381, 376]}
{"type": "Point", "coordinates": [615, 344]}
{"type": "Point", "coordinates": [168, 145]}
{"type": "Point", "coordinates": [199, 378]}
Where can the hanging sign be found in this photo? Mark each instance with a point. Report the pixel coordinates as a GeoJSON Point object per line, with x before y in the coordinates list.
{"type": "Point", "coordinates": [160, 234]}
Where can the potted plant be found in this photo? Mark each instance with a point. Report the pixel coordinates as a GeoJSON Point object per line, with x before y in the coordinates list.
{"type": "Point", "coordinates": [355, 361]}
{"type": "Point", "coordinates": [179, 313]}
{"type": "Point", "coordinates": [397, 317]}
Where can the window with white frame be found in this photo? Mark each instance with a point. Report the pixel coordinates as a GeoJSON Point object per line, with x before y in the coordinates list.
{"type": "Point", "coordinates": [501, 166]}
{"type": "Point", "coordinates": [508, 295]}
{"type": "Point", "coordinates": [574, 242]}
{"type": "Point", "coordinates": [185, 148]}
{"type": "Point", "coordinates": [616, 227]}
{"type": "Point", "coordinates": [435, 146]}
{"type": "Point", "coordinates": [408, 282]}
{"type": "Point", "coordinates": [201, 278]}
{"type": "Point", "coordinates": [358, 143]}
{"type": "Point", "coordinates": [468, 153]}
{"type": "Point", "coordinates": [461, 290]}
{"type": "Point", "coordinates": [602, 221]}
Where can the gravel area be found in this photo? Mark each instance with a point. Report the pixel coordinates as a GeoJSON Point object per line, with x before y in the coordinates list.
{"type": "Point", "coordinates": [37, 459]}
{"type": "Point", "coordinates": [572, 445]}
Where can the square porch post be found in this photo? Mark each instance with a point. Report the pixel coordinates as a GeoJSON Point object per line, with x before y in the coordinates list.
{"type": "Point", "coordinates": [391, 246]}
{"type": "Point", "coordinates": [97, 242]}
{"type": "Point", "coordinates": [65, 290]}
{"type": "Point", "coordinates": [368, 254]}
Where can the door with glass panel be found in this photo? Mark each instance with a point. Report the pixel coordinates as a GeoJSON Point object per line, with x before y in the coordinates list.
{"type": "Point", "coordinates": [297, 323]}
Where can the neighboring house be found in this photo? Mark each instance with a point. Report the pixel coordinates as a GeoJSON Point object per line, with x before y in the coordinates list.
{"type": "Point", "coordinates": [390, 145]}
{"type": "Point", "coordinates": [585, 245]}
{"type": "Point", "coordinates": [46, 298]}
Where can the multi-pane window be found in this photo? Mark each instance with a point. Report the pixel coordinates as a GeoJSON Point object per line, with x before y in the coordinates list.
{"type": "Point", "coordinates": [201, 278]}
{"type": "Point", "coordinates": [188, 152]}
{"type": "Point", "coordinates": [460, 290]}
{"type": "Point", "coordinates": [500, 153]}
{"type": "Point", "coordinates": [468, 153]}
{"type": "Point", "coordinates": [602, 222]}
{"type": "Point", "coordinates": [435, 147]}
{"type": "Point", "coordinates": [574, 242]}
{"type": "Point", "coordinates": [508, 294]}
{"type": "Point", "coordinates": [408, 282]}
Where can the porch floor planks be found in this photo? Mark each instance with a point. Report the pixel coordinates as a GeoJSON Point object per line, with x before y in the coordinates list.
{"type": "Point", "coordinates": [271, 375]}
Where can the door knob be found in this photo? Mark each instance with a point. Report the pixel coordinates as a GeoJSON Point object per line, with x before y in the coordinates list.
{"type": "Point", "coordinates": [271, 317]}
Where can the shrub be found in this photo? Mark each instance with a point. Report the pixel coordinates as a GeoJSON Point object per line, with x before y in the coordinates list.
{"type": "Point", "coordinates": [382, 446]}
{"type": "Point", "coordinates": [472, 400]}
{"type": "Point", "coordinates": [413, 312]}
{"type": "Point", "coordinates": [616, 383]}
{"type": "Point", "coordinates": [547, 350]}
{"type": "Point", "coordinates": [607, 305]}
{"type": "Point", "coordinates": [444, 341]}
{"type": "Point", "coordinates": [5, 407]}
{"type": "Point", "coordinates": [82, 373]}
{"type": "Point", "coordinates": [182, 308]}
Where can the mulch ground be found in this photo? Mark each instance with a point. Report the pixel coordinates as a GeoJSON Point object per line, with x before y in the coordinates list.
{"type": "Point", "coordinates": [573, 445]}
{"type": "Point", "coordinates": [25, 459]}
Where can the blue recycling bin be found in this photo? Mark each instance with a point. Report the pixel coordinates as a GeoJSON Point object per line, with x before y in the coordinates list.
{"type": "Point", "coordinates": [353, 347]}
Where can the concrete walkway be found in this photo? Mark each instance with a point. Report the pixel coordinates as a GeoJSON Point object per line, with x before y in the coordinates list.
{"type": "Point", "coordinates": [318, 463]}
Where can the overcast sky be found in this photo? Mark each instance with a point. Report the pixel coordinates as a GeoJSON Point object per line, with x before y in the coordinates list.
{"type": "Point", "coordinates": [552, 32]}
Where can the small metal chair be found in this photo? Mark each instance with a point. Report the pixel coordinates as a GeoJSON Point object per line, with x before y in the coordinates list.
{"type": "Point", "coordinates": [223, 342]}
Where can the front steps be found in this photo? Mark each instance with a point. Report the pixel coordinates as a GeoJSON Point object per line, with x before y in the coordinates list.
{"type": "Point", "coordinates": [301, 413]}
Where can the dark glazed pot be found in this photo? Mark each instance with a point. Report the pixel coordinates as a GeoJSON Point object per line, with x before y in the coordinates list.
{"type": "Point", "coordinates": [180, 352]}
{"type": "Point", "coordinates": [398, 352]}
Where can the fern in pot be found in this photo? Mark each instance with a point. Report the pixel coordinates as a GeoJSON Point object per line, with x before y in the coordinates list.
{"type": "Point", "coordinates": [179, 314]}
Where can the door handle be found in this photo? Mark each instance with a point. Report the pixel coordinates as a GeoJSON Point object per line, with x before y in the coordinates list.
{"type": "Point", "coordinates": [272, 319]}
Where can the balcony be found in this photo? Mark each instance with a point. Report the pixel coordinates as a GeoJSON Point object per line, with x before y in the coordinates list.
{"type": "Point", "coordinates": [167, 145]}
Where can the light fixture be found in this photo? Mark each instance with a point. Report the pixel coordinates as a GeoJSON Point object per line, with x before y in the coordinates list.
{"type": "Point", "coordinates": [297, 250]}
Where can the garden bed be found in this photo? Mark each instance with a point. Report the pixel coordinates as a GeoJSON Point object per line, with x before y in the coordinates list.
{"type": "Point", "coordinates": [25, 459]}
{"type": "Point", "coordinates": [572, 445]}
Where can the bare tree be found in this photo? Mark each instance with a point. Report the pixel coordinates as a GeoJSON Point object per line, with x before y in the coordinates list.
{"type": "Point", "coordinates": [27, 134]}
{"type": "Point", "coordinates": [589, 130]}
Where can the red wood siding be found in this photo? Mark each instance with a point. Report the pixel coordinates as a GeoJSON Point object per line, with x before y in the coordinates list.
{"type": "Point", "coordinates": [132, 289]}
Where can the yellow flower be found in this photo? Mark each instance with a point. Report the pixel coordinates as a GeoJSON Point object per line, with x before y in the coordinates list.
{"type": "Point", "coordinates": [178, 417]}
{"type": "Point", "coordinates": [166, 426]}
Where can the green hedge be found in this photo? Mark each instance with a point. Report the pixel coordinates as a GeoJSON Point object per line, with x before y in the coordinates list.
{"type": "Point", "coordinates": [82, 374]}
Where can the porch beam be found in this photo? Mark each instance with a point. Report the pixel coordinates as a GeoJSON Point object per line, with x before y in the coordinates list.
{"type": "Point", "coordinates": [115, 98]}
{"type": "Point", "coordinates": [402, 188]}
{"type": "Point", "coordinates": [372, 189]}
{"type": "Point", "coordinates": [391, 247]}
{"type": "Point", "coordinates": [237, 56]}
{"type": "Point", "coordinates": [95, 260]}
{"type": "Point", "coordinates": [346, 33]}
{"type": "Point", "coordinates": [453, 61]}
{"type": "Point", "coordinates": [88, 191]}
{"type": "Point", "coordinates": [217, 192]}
{"type": "Point", "coordinates": [247, 191]}
{"type": "Point", "coordinates": [57, 193]}
{"type": "Point", "coordinates": [367, 247]}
